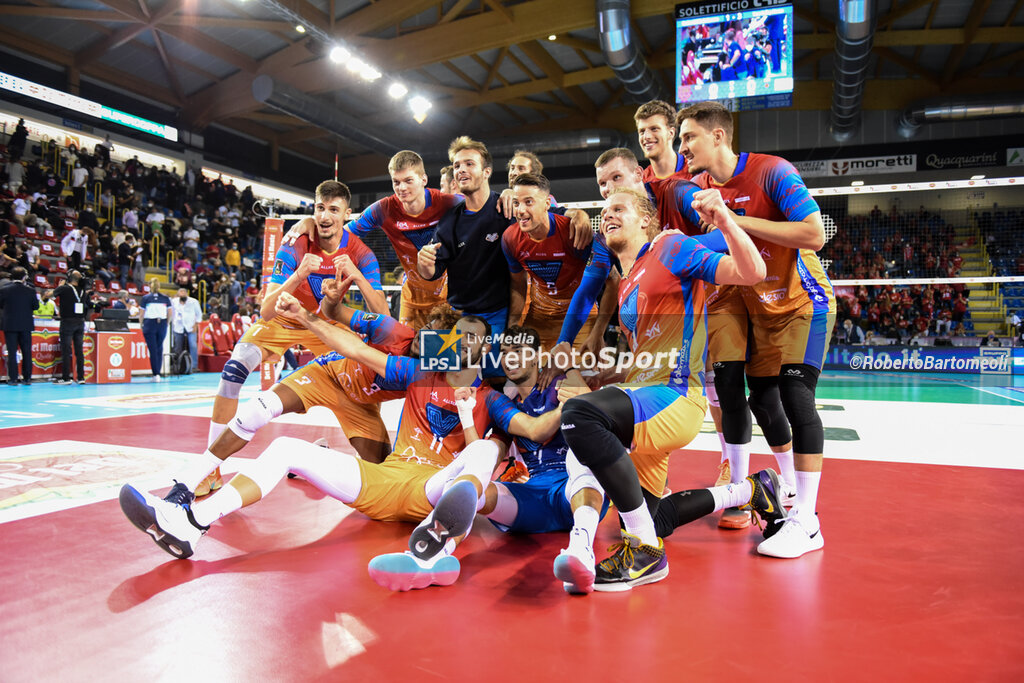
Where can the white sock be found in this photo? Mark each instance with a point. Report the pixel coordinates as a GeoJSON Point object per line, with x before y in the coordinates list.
{"type": "Point", "coordinates": [639, 523]}
{"type": "Point", "coordinates": [807, 498]}
{"type": "Point", "coordinates": [721, 440]}
{"type": "Point", "coordinates": [199, 469]}
{"type": "Point", "coordinates": [585, 521]}
{"type": "Point", "coordinates": [739, 460]}
{"type": "Point", "coordinates": [786, 468]}
{"type": "Point", "coordinates": [221, 503]}
{"type": "Point", "coordinates": [731, 495]}
{"type": "Point", "coordinates": [215, 430]}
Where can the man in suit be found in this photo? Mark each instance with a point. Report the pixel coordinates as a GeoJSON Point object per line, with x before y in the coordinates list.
{"type": "Point", "coordinates": [18, 299]}
{"type": "Point", "coordinates": [73, 302]}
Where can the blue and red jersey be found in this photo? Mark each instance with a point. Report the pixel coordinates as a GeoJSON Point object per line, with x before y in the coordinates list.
{"type": "Point", "coordinates": [430, 431]}
{"type": "Point", "coordinates": [769, 187]}
{"type": "Point", "coordinates": [548, 456]}
{"type": "Point", "coordinates": [310, 293]}
{"type": "Point", "coordinates": [681, 173]}
{"type": "Point", "coordinates": [661, 308]}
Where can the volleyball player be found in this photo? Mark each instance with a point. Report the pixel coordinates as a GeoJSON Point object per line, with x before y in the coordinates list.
{"type": "Point", "coordinates": [656, 131]}
{"type": "Point", "coordinates": [330, 251]}
{"type": "Point", "coordinates": [436, 443]}
{"type": "Point", "coordinates": [624, 433]}
{"type": "Point", "coordinates": [792, 311]}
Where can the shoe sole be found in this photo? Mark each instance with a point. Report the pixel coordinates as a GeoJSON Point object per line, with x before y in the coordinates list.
{"type": "Point", "coordinates": [622, 586]}
{"type": "Point", "coordinates": [576, 577]}
{"type": "Point", "coordinates": [400, 572]}
{"type": "Point", "coordinates": [453, 517]}
{"type": "Point", "coordinates": [732, 520]}
{"type": "Point", "coordinates": [143, 516]}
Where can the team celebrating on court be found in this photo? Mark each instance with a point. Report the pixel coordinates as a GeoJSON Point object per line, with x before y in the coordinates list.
{"type": "Point", "coordinates": [706, 256]}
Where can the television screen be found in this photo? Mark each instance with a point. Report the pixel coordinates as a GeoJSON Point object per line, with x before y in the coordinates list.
{"type": "Point", "coordinates": [735, 49]}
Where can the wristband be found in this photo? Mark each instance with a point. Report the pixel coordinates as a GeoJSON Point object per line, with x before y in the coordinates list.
{"type": "Point", "coordinates": [465, 407]}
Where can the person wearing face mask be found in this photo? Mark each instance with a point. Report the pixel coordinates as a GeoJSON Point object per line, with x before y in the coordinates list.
{"type": "Point", "coordinates": [72, 302]}
{"type": "Point", "coordinates": [155, 308]}
{"type": "Point", "coordinates": [185, 318]}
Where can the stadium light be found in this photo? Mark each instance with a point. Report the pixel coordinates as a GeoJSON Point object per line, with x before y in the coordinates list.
{"type": "Point", "coordinates": [420, 106]}
{"type": "Point", "coordinates": [355, 65]}
{"type": "Point", "coordinates": [552, 37]}
{"type": "Point", "coordinates": [857, 183]}
{"type": "Point", "coordinates": [977, 177]}
{"type": "Point", "coordinates": [300, 28]}
{"type": "Point", "coordinates": [339, 54]}
{"type": "Point", "coordinates": [398, 90]}
{"type": "Point", "coordinates": [369, 73]}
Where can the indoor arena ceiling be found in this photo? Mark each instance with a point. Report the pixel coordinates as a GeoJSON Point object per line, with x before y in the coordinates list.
{"type": "Point", "coordinates": [488, 66]}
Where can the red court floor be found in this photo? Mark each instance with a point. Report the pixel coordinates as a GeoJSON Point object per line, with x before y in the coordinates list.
{"type": "Point", "coordinates": [920, 579]}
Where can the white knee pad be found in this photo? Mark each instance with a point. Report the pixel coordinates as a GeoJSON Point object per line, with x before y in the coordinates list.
{"type": "Point", "coordinates": [709, 388]}
{"type": "Point", "coordinates": [580, 477]}
{"type": "Point", "coordinates": [245, 358]}
{"type": "Point", "coordinates": [253, 414]}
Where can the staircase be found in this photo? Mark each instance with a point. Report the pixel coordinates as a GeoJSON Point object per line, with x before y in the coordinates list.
{"type": "Point", "coordinates": [986, 310]}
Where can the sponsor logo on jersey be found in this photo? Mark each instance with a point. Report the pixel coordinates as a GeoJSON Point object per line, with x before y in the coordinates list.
{"type": "Point", "coordinates": [772, 296]}
{"type": "Point", "coordinates": [492, 237]}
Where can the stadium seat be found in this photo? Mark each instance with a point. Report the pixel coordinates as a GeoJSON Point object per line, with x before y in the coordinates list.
{"type": "Point", "coordinates": [115, 286]}
{"type": "Point", "coordinates": [62, 266]}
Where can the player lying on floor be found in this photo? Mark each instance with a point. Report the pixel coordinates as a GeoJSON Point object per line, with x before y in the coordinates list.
{"type": "Point", "coordinates": [558, 496]}
{"type": "Point", "coordinates": [437, 442]}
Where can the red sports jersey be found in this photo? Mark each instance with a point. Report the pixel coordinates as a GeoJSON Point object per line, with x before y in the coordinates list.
{"type": "Point", "coordinates": [309, 293]}
{"type": "Point", "coordinates": [430, 431]}
{"type": "Point", "coordinates": [768, 187]}
{"type": "Point", "coordinates": [674, 200]}
{"type": "Point", "coordinates": [661, 308]}
{"type": "Point", "coordinates": [553, 264]}
{"type": "Point", "coordinates": [407, 234]}
{"type": "Point", "coordinates": [681, 172]}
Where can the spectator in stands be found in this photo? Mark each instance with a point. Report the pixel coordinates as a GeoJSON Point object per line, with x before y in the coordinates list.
{"type": "Point", "coordinates": [18, 299]}
{"type": "Point", "coordinates": [15, 174]}
{"type": "Point", "coordinates": [185, 318]}
{"type": "Point", "coordinates": [990, 339]}
{"type": "Point", "coordinates": [126, 258]}
{"type": "Point", "coordinates": [156, 307]}
{"type": "Point", "coordinates": [72, 302]}
{"type": "Point", "coordinates": [79, 179]}
{"type": "Point", "coordinates": [87, 219]}
{"type": "Point", "coordinates": [130, 221]}
{"type": "Point", "coordinates": [191, 242]}
{"type": "Point", "coordinates": [31, 252]}
{"type": "Point", "coordinates": [233, 258]}
{"type": "Point", "coordinates": [46, 308]}
{"type": "Point", "coordinates": [74, 245]}
{"type": "Point", "coordinates": [16, 145]}
{"type": "Point", "coordinates": [20, 207]}
{"type": "Point", "coordinates": [155, 221]}
{"type": "Point", "coordinates": [959, 307]}
{"type": "Point", "coordinates": [104, 149]}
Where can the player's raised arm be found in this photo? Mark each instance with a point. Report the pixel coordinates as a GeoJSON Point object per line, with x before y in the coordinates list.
{"type": "Point", "coordinates": [804, 228]}
{"type": "Point", "coordinates": [743, 265]}
{"type": "Point", "coordinates": [339, 339]}
{"type": "Point", "coordinates": [292, 275]}
{"type": "Point", "coordinates": [371, 289]}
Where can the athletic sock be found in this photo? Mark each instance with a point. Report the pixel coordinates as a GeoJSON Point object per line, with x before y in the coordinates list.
{"type": "Point", "coordinates": [786, 467]}
{"type": "Point", "coordinates": [199, 469]}
{"type": "Point", "coordinates": [721, 440]}
{"type": "Point", "coordinates": [223, 502]}
{"type": "Point", "coordinates": [731, 495]}
{"type": "Point", "coordinates": [585, 520]}
{"type": "Point", "coordinates": [739, 460]}
{"type": "Point", "coordinates": [639, 523]}
{"type": "Point", "coordinates": [807, 498]}
{"type": "Point", "coordinates": [215, 430]}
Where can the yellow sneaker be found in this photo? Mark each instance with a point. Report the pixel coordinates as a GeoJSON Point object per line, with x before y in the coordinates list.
{"type": "Point", "coordinates": [724, 473]}
{"type": "Point", "coordinates": [207, 486]}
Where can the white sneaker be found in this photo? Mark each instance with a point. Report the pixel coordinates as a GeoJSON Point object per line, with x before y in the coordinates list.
{"type": "Point", "coordinates": [169, 522]}
{"type": "Point", "coordinates": [787, 497]}
{"type": "Point", "coordinates": [792, 540]}
{"type": "Point", "coordinates": [574, 566]}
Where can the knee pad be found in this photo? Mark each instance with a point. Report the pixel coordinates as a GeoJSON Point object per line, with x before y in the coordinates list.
{"type": "Point", "coordinates": [580, 477]}
{"type": "Point", "coordinates": [766, 404]}
{"type": "Point", "coordinates": [732, 399]}
{"type": "Point", "coordinates": [709, 388]}
{"type": "Point", "coordinates": [245, 358]}
{"type": "Point", "coordinates": [255, 413]}
{"type": "Point", "coordinates": [594, 419]}
{"type": "Point", "coordinates": [797, 383]}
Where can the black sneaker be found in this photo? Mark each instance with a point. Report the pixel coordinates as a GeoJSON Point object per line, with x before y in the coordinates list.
{"type": "Point", "coordinates": [452, 517]}
{"type": "Point", "coordinates": [631, 564]}
{"type": "Point", "coordinates": [765, 502]}
{"type": "Point", "coordinates": [62, 381]}
{"type": "Point", "coordinates": [169, 521]}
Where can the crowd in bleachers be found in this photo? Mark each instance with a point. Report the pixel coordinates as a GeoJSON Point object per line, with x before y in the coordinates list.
{"type": "Point", "coordinates": [902, 313]}
{"type": "Point", "coordinates": [142, 217]}
{"type": "Point", "coordinates": [1001, 231]}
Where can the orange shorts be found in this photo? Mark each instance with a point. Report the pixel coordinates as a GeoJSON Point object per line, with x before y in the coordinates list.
{"type": "Point", "coordinates": [275, 337]}
{"type": "Point", "coordinates": [339, 386]}
{"type": "Point", "coordinates": [417, 300]}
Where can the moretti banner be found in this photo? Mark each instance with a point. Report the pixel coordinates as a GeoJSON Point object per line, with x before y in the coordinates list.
{"type": "Point", "coordinates": [954, 359]}
{"type": "Point", "coordinates": [896, 163]}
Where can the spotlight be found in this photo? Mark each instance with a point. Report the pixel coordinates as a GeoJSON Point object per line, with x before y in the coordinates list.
{"type": "Point", "coordinates": [355, 65]}
{"type": "Point", "coordinates": [300, 28]}
{"type": "Point", "coordinates": [857, 183]}
{"type": "Point", "coordinates": [552, 37]}
{"type": "Point", "coordinates": [369, 73]}
{"type": "Point", "coordinates": [420, 106]}
{"type": "Point", "coordinates": [977, 177]}
{"type": "Point", "coordinates": [339, 54]}
{"type": "Point", "coordinates": [398, 90]}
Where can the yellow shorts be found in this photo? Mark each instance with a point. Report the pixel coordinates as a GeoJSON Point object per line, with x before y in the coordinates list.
{"type": "Point", "coordinates": [665, 420]}
{"type": "Point", "coordinates": [395, 490]}
{"type": "Point", "coordinates": [549, 326]}
{"type": "Point", "coordinates": [790, 339]}
{"type": "Point", "coordinates": [416, 303]}
{"type": "Point", "coordinates": [727, 325]}
{"type": "Point", "coordinates": [275, 338]}
{"type": "Point", "coordinates": [317, 385]}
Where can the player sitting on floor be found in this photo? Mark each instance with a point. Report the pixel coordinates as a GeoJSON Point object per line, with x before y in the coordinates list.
{"type": "Point", "coordinates": [558, 496]}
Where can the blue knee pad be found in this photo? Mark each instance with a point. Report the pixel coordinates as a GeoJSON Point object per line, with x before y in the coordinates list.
{"type": "Point", "coordinates": [245, 358]}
